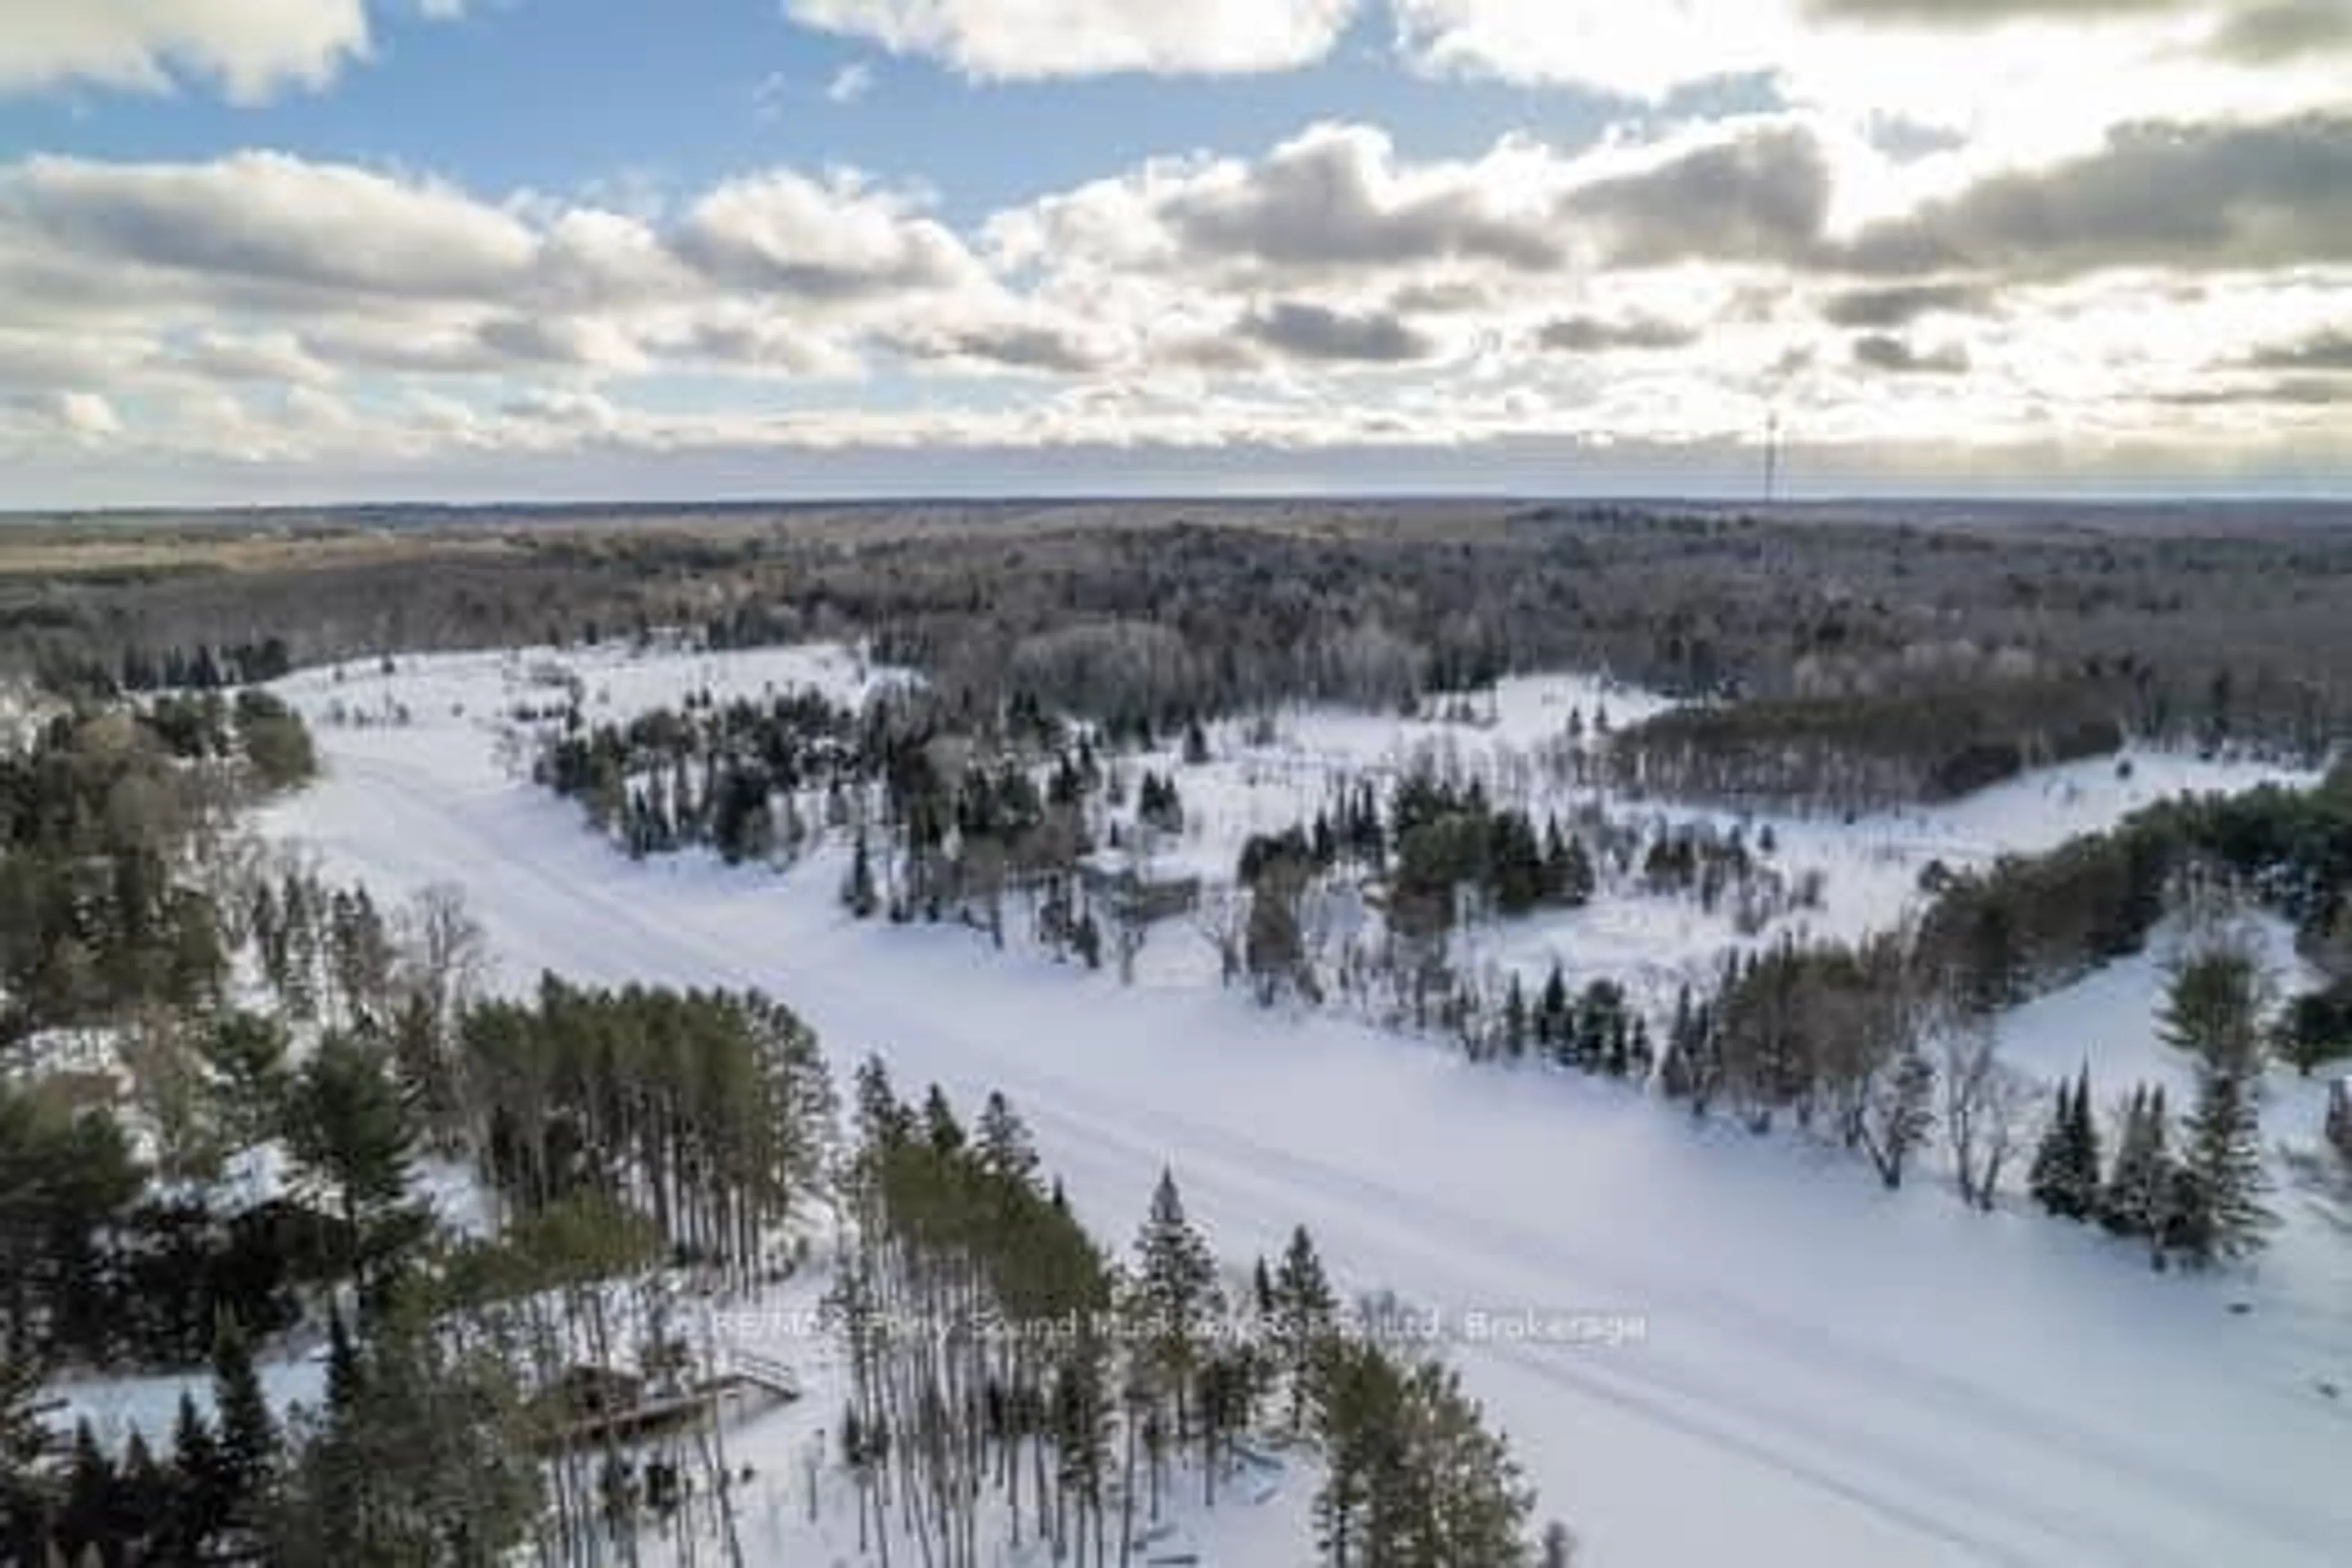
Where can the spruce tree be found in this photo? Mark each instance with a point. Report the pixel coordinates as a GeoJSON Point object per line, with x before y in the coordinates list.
{"type": "Point", "coordinates": [248, 1443]}
{"type": "Point", "coordinates": [84, 1523]}
{"type": "Point", "coordinates": [2082, 1167]}
{"type": "Point", "coordinates": [2050, 1178]}
{"type": "Point", "coordinates": [2121, 1201]}
{"type": "Point", "coordinates": [1006, 1150]}
{"type": "Point", "coordinates": [1175, 1290]}
{"type": "Point", "coordinates": [1304, 1310]}
{"type": "Point", "coordinates": [199, 1494]}
{"type": "Point", "coordinates": [2218, 1213]}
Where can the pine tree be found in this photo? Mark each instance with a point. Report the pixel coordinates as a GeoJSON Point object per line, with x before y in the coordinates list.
{"type": "Point", "coordinates": [345, 1372]}
{"type": "Point", "coordinates": [2140, 1190]}
{"type": "Point", "coordinates": [2050, 1178]}
{"type": "Point", "coordinates": [857, 888]}
{"type": "Point", "coordinates": [1551, 1012]}
{"type": "Point", "coordinates": [200, 1500]}
{"type": "Point", "coordinates": [248, 1443]}
{"type": "Point", "coordinates": [1175, 1290]}
{"type": "Point", "coordinates": [1006, 1150]}
{"type": "Point", "coordinates": [351, 1133]}
{"type": "Point", "coordinates": [1515, 1021]}
{"type": "Point", "coordinates": [1304, 1308]}
{"type": "Point", "coordinates": [2218, 1189]}
{"type": "Point", "coordinates": [2212, 1005]}
{"type": "Point", "coordinates": [2082, 1166]}
{"type": "Point", "coordinates": [941, 1131]}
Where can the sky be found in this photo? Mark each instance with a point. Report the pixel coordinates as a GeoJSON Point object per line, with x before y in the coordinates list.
{"type": "Point", "coordinates": [273, 251]}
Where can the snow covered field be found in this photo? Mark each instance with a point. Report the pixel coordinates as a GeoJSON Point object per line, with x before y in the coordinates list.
{"type": "Point", "coordinates": [1827, 1373]}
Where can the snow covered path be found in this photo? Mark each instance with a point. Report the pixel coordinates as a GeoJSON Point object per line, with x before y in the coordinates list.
{"type": "Point", "coordinates": [1830, 1374]}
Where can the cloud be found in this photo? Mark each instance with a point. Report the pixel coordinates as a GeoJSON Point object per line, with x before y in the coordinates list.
{"type": "Point", "coordinates": [1896, 356]}
{"type": "Point", "coordinates": [85, 414]}
{"type": "Point", "coordinates": [1314, 333]}
{"type": "Point", "coordinates": [2040, 77]}
{"type": "Point", "coordinates": [1961, 15]}
{"type": "Point", "coordinates": [2269, 34]}
{"type": "Point", "coordinates": [784, 233]}
{"type": "Point", "coordinates": [1594, 334]}
{"type": "Point", "coordinates": [260, 268]}
{"type": "Point", "coordinates": [278, 358]}
{"type": "Point", "coordinates": [850, 83]}
{"type": "Point", "coordinates": [2194, 197]}
{"type": "Point", "coordinates": [1334, 198]}
{"type": "Point", "coordinates": [2291, 392]}
{"type": "Point", "coordinates": [1197, 302]}
{"type": "Point", "coordinates": [1018, 39]}
{"type": "Point", "coordinates": [2326, 351]}
{"type": "Point", "coordinates": [1763, 194]}
{"type": "Point", "coordinates": [1902, 305]}
{"type": "Point", "coordinates": [559, 341]}
{"type": "Point", "coordinates": [270, 224]}
{"type": "Point", "coordinates": [251, 50]}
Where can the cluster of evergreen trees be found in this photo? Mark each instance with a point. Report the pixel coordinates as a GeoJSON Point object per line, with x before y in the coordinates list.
{"type": "Point", "coordinates": [2193, 1190]}
{"type": "Point", "coordinates": [1598, 1030]}
{"type": "Point", "coordinates": [1450, 838]}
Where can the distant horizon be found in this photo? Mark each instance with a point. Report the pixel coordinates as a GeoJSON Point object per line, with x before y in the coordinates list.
{"type": "Point", "coordinates": [1943, 501]}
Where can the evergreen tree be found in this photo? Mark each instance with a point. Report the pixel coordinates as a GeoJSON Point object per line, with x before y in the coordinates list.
{"type": "Point", "coordinates": [1175, 1290]}
{"type": "Point", "coordinates": [2049, 1178]}
{"type": "Point", "coordinates": [1515, 1021]}
{"type": "Point", "coordinates": [2212, 1004]}
{"type": "Point", "coordinates": [2139, 1193]}
{"type": "Point", "coordinates": [85, 1525]}
{"type": "Point", "coordinates": [1006, 1150]}
{"type": "Point", "coordinates": [345, 1373]}
{"type": "Point", "coordinates": [941, 1131]}
{"type": "Point", "coordinates": [2218, 1213]}
{"type": "Point", "coordinates": [2080, 1169]}
{"type": "Point", "coordinates": [857, 888]}
{"type": "Point", "coordinates": [1551, 1011]}
{"type": "Point", "coordinates": [350, 1131]}
{"type": "Point", "coordinates": [1303, 1311]}
{"type": "Point", "coordinates": [201, 1499]}
{"type": "Point", "coordinates": [248, 1440]}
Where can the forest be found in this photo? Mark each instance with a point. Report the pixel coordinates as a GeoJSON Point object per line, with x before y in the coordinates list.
{"type": "Point", "coordinates": [1921, 657]}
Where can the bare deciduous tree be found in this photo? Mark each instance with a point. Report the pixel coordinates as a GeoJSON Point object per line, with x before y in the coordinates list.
{"type": "Point", "coordinates": [1988, 1107]}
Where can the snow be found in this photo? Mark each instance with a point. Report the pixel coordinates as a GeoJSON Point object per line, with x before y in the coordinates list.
{"type": "Point", "coordinates": [116, 1406]}
{"type": "Point", "coordinates": [1827, 1373]}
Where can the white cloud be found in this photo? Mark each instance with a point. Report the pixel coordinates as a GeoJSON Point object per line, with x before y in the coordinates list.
{"type": "Point", "coordinates": [850, 83]}
{"type": "Point", "coordinates": [250, 50]}
{"type": "Point", "coordinates": [2016, 78]}
{"type": "Point", "coordinates": [841, 240]}
{"type": "Point", "coordinates": [267, 224]}
{"type": "Point", "coordinates": [1334, 293]}
{"type": "Point", "coordinates": [1015, 39]}
{"type": "Point", "coordinates": [87, 413]}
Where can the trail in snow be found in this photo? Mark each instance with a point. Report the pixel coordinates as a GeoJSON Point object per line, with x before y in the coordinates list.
{"type": "Point", "coordinates": [1829, 1375]}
